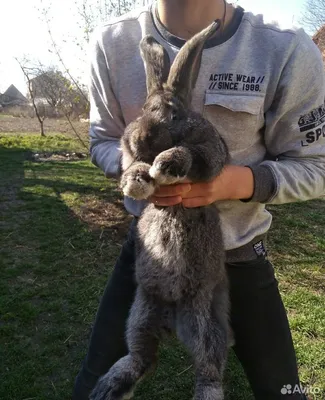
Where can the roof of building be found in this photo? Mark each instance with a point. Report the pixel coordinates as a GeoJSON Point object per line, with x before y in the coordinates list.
{"type": "Point", "coordinates": [13, 92]}
{"type": "Point", "coordinates": [12, 96]}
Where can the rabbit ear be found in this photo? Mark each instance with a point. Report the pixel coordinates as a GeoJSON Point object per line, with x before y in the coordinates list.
{"type": "Point", "coordinates": [156, 61]}
{"type": "Point", "coordinates": [185, 68]}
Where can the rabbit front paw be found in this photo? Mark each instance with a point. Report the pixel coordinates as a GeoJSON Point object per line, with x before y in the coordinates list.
{"type": "Point", "coordinates": [137, 183]}
{"type": "Point", "coordinates": [171, 166]}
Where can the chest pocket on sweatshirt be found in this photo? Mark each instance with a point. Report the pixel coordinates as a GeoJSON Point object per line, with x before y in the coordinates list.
{"type": "Point", "coordinates": [238, 118]}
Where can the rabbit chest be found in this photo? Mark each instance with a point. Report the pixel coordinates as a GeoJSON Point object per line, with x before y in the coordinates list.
{"type": "Point", "coordinates": [179, 251]}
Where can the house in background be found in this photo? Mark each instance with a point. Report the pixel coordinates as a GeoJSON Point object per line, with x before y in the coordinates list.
{"type": "Point", "coordinates": [12, 97]}
{"type": "Point", "coordinates": [40, 88]}
{"type": "Point", "coordinates": [319, 40]}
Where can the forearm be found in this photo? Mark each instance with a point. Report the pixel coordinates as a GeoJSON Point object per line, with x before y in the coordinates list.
{"type": "Point", "coordinates": [296, 179]}
{"type": "Point", "coordinates": [106, 118]}
{"type": "Point", "coordinates": [106, 155]}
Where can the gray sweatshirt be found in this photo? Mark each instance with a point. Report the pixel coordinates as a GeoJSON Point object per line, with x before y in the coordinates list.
{"type": "Point", "coordinates": [262, 87]}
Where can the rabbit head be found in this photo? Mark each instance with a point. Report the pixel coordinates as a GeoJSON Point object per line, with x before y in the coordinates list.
{"type": "Point", "coordinates": [166, 112]}
{"type": "Point", "coordinates": [173, 82]}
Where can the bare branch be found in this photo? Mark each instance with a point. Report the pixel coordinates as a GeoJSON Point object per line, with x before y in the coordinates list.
{"type": "Point", "coordinates": [57, 52]}
{"type": "Point", "coordinates": [313, 17]}
{"type": "Point", "coordinates": [26, 72]}
{"type": "Point", "coordinates": [76, 133]}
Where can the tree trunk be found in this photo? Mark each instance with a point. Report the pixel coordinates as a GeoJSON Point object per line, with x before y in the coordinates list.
{"type": "Point", "coordinates": [31, 93]}
{"type": "Point", "coordinates": [42, 128]}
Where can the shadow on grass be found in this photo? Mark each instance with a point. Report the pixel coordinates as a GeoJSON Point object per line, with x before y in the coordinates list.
{"type": "Point", "coordinates": [53, 269]}
{"type": "Point", "coordinates": [62, 225]}
{"type": "Point", "coordinates": [54, 266]}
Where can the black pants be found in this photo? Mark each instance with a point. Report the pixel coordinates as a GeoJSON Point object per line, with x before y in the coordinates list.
{"type": "Point", "coordinates": [259, 321]}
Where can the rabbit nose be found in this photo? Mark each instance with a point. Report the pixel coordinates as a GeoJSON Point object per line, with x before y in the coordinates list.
{"type": "Point", "coordinates": [143, 176]}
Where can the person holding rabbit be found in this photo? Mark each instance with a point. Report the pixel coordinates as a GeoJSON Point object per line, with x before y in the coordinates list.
{"type": "Point", "coordinates": [262, 88]}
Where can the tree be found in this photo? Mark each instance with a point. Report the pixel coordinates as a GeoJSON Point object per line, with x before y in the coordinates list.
{"type": "Point", "coordinates": [90, 13]}
{"type": "Point", "coordinates": [313, 16]}
{"type": "Point", "coordinates": [72, 97]}
{"type": "Point", "coordinates": [45, 13]}
{"type": "Point", "coordinates": [28, 73]}
{"type": "Point", "coordinates": [49, 84]}
{"type": "Point", "coordinates": [61, 95]}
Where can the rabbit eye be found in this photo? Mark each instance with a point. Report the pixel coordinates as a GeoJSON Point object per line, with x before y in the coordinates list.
{"type": "Point", "coordinates": [174, 116]}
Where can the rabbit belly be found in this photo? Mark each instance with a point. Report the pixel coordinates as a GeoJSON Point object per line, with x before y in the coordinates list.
{"type": "Point", "coordinates": [178, 252]}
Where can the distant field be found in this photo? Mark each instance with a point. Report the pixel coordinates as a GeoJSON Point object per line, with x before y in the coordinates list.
{"type": "Point", "coordinates": [62, 224]}
{"type": "Point", "coordinates": [21, 125]}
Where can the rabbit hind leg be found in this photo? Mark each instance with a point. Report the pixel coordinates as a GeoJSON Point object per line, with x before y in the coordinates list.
{"type": "Point", "coordinates": [143, 333]}
{"type": "Point", "coordinates": [205, 333]}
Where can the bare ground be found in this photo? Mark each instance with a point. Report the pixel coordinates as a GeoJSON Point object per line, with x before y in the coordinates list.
{"type": "Point", "coordinates": [21, 125]}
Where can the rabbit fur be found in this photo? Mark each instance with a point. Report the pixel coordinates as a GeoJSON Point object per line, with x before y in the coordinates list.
{"type": "Point", "coordinates": [180, 271]}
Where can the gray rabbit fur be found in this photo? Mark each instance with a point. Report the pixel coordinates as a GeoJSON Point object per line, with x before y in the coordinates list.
{"type": "Point", "coordinates": [182, 282]}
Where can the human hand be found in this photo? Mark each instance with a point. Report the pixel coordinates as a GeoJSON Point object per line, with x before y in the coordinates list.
{"type": "Point", "coordinates": [170, 195]}
{"type": "Point", "coordinates": [234, 182]}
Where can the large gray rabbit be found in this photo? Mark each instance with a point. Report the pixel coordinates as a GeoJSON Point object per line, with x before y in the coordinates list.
{"type": "Point", "coordinates": [182, 282]}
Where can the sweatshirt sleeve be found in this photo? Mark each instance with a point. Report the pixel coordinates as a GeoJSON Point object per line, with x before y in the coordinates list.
{"type": "Point", "coordinates": [106, 119]}
{"type": "Point", "coordinates": [295, 131]}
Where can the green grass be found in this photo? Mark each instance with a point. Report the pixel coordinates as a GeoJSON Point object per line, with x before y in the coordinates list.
{"type": "Point", "coordinates": [5, 116]}
{"type": "Point", "coordinates": [61, 228]}
{"type": "Point", "coordinates": [35, 142]}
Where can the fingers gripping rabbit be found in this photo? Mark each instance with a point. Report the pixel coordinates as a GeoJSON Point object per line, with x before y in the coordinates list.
{"type": "Point", "coordinates": [180, 269]}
